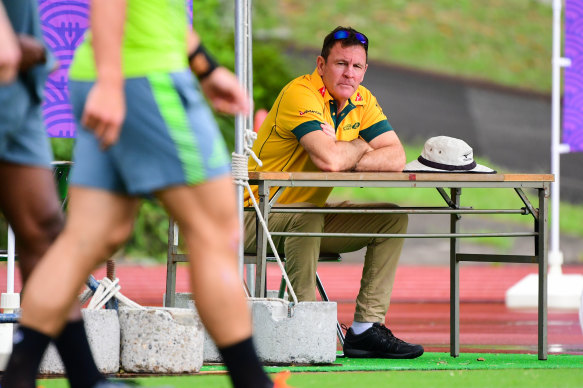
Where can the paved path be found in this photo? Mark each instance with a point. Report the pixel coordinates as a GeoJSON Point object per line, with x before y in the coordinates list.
{"type": "Point", "coordinates": [419, 310]}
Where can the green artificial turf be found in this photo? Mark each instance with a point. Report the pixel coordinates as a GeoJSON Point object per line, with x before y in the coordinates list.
{"type": "Point", "coordinates": [531, 378]}
{"type": "Point", "coordinates": [430, 370]}
{"type": "Point", "coordinates": [422, 379]}
{"type": "Point", "coordinates": [436, 361]}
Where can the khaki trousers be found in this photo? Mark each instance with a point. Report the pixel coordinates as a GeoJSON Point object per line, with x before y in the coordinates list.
{"type": "Point", "coordinates": [301, 253]}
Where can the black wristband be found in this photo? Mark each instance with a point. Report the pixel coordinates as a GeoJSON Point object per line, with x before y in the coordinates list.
{"type": "Point", "coordinates": [201, 62]}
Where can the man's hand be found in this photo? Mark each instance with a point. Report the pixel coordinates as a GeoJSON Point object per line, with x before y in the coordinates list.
{"type": "Point", "coordinates": [9, 51]}
{"type": "Point", "coordinates": [105, 107]}
{"type": "Point", "coordinates": [105, 111]}
{"type": "Point", "coordinates": [328, 130]}
{"type": "Point", "coordinates": [385, 154]}
{"type": "Point", "coordinates": [225, 92]}
{"type": "Point", "coordinates": [33, 52]}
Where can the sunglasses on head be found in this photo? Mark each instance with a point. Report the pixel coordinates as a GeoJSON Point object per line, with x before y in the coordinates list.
{"type": "Point", "coordinates": [343, 34]}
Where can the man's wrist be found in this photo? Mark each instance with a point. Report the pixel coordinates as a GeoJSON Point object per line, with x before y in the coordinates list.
{"type": "Point", "coordinates": [110, 76]}
{"type": "Point", "coordinates": [362, 144]}
{"type": "Point", "coordinates": [201, 62]}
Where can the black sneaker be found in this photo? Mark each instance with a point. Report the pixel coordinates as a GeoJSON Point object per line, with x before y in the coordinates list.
{"type": "Point", "coordinates": [378, 342]}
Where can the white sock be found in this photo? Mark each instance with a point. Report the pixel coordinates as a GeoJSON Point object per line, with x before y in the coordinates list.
{"type": "Point", "coordinates": [360, 327]}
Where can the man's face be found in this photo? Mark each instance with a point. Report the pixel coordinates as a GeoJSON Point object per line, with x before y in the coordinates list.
{"type": "Point", "coordinates": [344, 70]}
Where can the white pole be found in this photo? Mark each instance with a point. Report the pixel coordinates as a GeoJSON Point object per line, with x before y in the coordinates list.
{"type": "Point", "coordinates": [555, 254]}
{"type": "Point", "coordinates": [244, 71]}
{"type": "Point", "coordinates": [10, 262]}
{"type": "Point", "coordinates": [563, 291]}
{"type": "Point", "coordinates": [9, 301]}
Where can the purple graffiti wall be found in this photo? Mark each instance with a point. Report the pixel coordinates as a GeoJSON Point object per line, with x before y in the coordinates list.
{"type": "Point", "coordinates": [64, 23]}
{"type": "Point", "coordinates": [573, 90]}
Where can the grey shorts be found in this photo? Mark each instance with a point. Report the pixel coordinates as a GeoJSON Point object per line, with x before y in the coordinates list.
{"type": "Point", "coordinates": [23, 139]}
{"type": "Point", "coordinates": [169, 138]}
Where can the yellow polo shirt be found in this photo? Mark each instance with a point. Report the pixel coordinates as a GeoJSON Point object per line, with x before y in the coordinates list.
{"type": "Point", "coordinates": [301, 106]}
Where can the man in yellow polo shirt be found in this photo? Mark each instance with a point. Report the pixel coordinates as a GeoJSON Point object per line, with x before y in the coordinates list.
{"type": "Point", "coordinates": [327, 121]}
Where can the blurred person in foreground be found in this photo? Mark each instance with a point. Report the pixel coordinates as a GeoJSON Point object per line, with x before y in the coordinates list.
{"type": "Point", "coordinates": [327, 121]}
{"type": "Point", "coordinates": [145, 129]}
{"type": "Point", "coordinates": [29, 199]}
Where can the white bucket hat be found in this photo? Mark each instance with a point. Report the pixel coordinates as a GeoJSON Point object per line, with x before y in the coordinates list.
{"type": "Point", "coordinates": [446, 154]}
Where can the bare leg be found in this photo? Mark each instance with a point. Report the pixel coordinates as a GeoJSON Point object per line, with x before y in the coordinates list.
{"type": "Point", "coordinates": [98, 222]}
{"type": "Point", "coordinates": [32, 208]}
{"type": "Point", "coordinates": [207, 217]}
{"type": "Point", "coordinates": [29, 201]}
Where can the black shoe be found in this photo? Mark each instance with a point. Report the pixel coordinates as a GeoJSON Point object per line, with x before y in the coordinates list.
{"type": "Point", "coordinates": [378, 342]}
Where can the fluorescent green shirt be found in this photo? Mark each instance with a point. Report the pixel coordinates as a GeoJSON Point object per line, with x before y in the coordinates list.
{"type": "Point", "coordinates": [301, 106]}
{"type": "Point", "coordinates": [154, 41]}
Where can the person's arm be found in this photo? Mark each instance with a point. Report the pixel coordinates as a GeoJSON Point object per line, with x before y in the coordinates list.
{"type": "Point", "coordinates": [9, 50]}
{"type": "Point", "coordinates": [331, 155]}
{"type": "Point", "coordinates": [387, 154]}
{"type": "Point", "coordinates": [219, 85]}
{"type": "Point", "coordinates": [105, 107]}
{"type": "Point", "coordinates": [33, 52]}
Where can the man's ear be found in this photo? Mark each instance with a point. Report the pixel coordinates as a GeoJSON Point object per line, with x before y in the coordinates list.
{"type": "Point", "coordinates": [320, 62]}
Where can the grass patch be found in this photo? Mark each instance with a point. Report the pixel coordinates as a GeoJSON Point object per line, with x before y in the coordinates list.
{"type": "Point", "coordinates": [505, 41]}
{"type": "Point", "coordinates": [430, 370]}
{"type": "Point", "coordinates": [503, 245]}
{"type": "Point", "coordinates": [531, 378]}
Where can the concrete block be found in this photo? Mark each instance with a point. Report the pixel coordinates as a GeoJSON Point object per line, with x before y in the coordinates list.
{"type": "Point", "coordinates": [182, 299]}
{"type": "Point", "coordinates": [274, 294]}
{"type": "Point", "coordinates": [581, 313]}
{"type": "Point", "coordinates": [302, 334]}
{"type": "Point", "coordinates": [103, 334]}
{"type": "Point", "coordinates": [210, 351]}
{"type": "Point", "coordinates": [563, 292]}
{"type": "Point", "coordinates": [161, 340]}
{"type": "Point", "coordinates": [6, 334]}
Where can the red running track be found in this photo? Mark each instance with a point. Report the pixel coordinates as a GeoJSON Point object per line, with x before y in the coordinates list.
{"type": "Point", "coordinates": [419, 309]}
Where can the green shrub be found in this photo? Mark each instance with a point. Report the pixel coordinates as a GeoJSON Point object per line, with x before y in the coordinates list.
{"type": "Point", "coordinates": [214, 21]}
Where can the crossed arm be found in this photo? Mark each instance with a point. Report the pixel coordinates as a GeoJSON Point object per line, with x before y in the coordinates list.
{"type": "Point", "coordinates": [383, 153]}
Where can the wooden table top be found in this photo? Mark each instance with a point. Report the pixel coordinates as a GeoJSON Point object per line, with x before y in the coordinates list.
{"type": "Point", "coordinates": [399, 176]}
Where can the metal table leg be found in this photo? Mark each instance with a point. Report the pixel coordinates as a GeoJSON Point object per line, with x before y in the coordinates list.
{"type": "Point", "coordinates": [542, 254]}
{"type": "Point", "coordinates": [454, 295]}
{"type": "Point", "coordinates": [260, 268]}
{"type": "Point", "coordinates": [170, 295]}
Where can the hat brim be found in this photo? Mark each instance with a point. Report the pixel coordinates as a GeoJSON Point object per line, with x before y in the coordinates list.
{"type": "Point", "coordinates": [416, 166]}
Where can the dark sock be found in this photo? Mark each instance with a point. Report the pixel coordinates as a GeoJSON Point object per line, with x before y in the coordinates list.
{"type": "Point", "coordinates": [28, 349]}
{"type": "Point", "coordinates": [244, 367]}
{"type": "Point", "coordinates": [76, 354]}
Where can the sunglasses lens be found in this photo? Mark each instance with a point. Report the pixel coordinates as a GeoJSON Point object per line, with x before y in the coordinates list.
{"type": "Point", "coordinates": [361, 38]}
{"type": "Point", "coordinates": [343, 34]}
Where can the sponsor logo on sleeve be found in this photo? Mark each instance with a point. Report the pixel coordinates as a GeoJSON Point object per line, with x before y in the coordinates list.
{"type": "Point", "coordinates": [310, 111]}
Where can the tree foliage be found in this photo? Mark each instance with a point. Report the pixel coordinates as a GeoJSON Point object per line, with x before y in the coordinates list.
{"type": "Point", "coordinates": [214, 21]}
